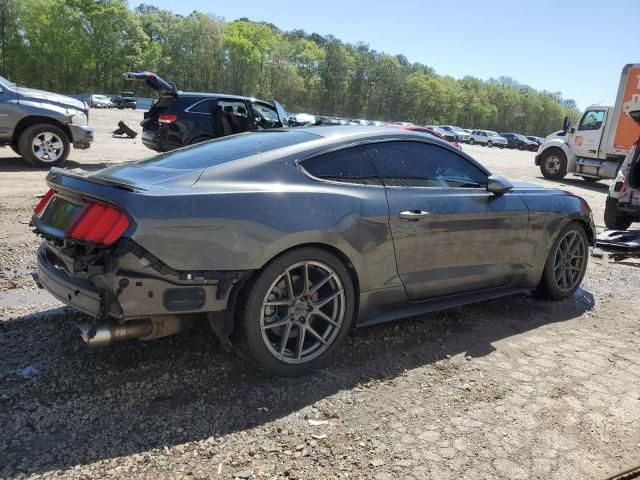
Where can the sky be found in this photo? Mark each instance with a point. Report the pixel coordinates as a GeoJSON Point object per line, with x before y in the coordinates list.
{"type": "Point", "coordinates": [575, 47]}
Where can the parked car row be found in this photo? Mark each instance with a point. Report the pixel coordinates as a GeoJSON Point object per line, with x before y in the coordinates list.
{"type": "Point", "coordinates": [124, 100]}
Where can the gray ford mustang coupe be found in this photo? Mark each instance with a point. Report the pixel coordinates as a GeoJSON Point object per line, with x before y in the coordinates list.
{"type": "Point", "coordinates": [285, 239]}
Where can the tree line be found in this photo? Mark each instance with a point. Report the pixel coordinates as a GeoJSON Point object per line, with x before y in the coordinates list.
{"type": "Point", "coordinates": [84, 46]}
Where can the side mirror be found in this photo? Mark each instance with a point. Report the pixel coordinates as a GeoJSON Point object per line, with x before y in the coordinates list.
{"type": "Point", "coordinates": [566, 123]}
{"type": "Point", "coordinates": [498, 184]}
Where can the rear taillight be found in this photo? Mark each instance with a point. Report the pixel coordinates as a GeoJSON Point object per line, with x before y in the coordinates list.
{"type": "Point", "coordinates": [167, 118]}
{"type": "Point", "coordinates": [39, 208]}
{"type": "Point", "coordinates": [99, 223]}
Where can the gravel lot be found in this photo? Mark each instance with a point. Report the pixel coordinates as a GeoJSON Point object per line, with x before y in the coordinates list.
{"type": "Point", "coordinates": [513, 388]}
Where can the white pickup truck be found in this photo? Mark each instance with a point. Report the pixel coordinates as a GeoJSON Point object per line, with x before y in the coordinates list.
{"type": "Point", "coordinates": [598, 146]}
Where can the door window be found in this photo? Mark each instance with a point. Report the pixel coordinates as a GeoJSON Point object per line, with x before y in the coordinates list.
{"type": "Point", "coordinates": [592, 120]}
{"type": "Point", "coordinates": [232, 117]}
{"type": "Point", "coordinates": [266, 115]}
{"type": "Point", "coordinates": [351, 165]}
{"type": "Point", "coordinates": [416, 164]}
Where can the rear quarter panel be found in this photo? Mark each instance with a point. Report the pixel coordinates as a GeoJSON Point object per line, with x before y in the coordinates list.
{"type": "Point", "coordinates": [242, 227]}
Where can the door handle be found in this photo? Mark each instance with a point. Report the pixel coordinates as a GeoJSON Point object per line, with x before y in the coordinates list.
{"type": "Point", "coordinates": [413, 214]}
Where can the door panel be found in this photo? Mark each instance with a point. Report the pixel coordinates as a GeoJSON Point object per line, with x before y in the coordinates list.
{"type": "Point", "coordinates": [471, 240]}
{"type": "Point", "coordinates": [586, 141]}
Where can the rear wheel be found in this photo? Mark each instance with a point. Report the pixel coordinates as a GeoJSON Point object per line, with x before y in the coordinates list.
{"type": "Point", "coordinates": [553, 164]}
{"type": "Point", "coordinates": [15, 149]}
{"type": "Point", "coordinates": [614, 219]}
{"type": "Point", "coordinates": [298, 312]}
{"type": "Point", "coordinates": [44, 145]}
{"type": "Point", "coordinates": [566, 264]}
{"type": "Point", "coordinates": [472, 141]}
{"type": "Point", "coordinates": [490, 144]}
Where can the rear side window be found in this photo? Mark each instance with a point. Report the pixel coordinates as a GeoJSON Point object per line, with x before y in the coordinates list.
{"type": "Point", "coordinates": [228, 149]}
{"type": "Point", "coordinates": [351, 165]}
{"type": "Point", "coordinates": [203, 106]}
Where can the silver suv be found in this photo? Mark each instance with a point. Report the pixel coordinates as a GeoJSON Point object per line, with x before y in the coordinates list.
{"type": "Point", "coordinates": [487, 138]}
{"type": "Point", "coordinates": [41, 126]}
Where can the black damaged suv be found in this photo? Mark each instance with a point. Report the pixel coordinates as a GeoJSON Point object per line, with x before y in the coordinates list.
{"type": "Point", "coordinates": [181, 118]}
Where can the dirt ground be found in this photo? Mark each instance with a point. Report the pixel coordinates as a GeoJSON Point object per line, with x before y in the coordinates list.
{"type": "Point", "coordinates": [512, 388]}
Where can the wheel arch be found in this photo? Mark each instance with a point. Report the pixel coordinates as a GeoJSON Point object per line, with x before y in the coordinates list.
{"type": "Point", "coordinates": [31, 120]}
{"type": "Point", "coordinates": [241, 288]}
{"type": "Point", "coordinates": [555, 145]}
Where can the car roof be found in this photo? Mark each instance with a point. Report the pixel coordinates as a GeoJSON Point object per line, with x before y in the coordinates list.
{"type": "Point", "coordinates": [218, 95]}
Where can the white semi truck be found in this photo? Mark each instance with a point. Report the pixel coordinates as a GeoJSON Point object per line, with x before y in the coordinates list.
{"type": "Point", "coordinates": [596, 148]}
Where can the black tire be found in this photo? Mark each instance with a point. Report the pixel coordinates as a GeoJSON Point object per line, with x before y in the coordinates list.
{"type": "Point", "coordinates": [126, 129]}
{"type": "Point", "coordinates": [15, 150]}
{"type": "Point", "coordinates": [490, 144]}
{"type": "Point", "coordinates": [613, 218]}
{"type": "Point", "coordinates": [549, 287]}
{"type": "Point", "coordinates": [521, 147]}
{"type": "Point", "coordinates": [472, 141]}
{"type": "Point", "coordinates": [200, 139]}
{"type": "Point", "coordinates": [500, 147]}
{"type": "Point", "coordinates": [26, 145]}
{"type": "Point", "coordinates": [259, 345]}
{"type": "Point", "coordinates": [553, 164]}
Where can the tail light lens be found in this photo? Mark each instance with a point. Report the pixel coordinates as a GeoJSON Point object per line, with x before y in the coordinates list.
{"type": "Point", "coordinates": [167, 118]}
{"type": "Point", "coordinates": [39, 208]}
{"type": "Point", "coordinates": [99, 223]}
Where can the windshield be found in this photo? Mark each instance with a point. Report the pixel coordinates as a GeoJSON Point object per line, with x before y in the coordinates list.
{"type": "Point", "coordinates": [228, 149]}
{"type": "Point", "coordinates": [6, 82]}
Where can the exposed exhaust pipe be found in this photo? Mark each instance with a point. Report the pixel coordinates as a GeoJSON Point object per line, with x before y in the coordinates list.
{"type": "Point", "coordinates": [147, 329]}
{"type": "Point", "coordinates": [106, 333]}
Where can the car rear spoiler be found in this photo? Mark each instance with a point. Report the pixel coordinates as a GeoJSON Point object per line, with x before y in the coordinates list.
{"type": "Point", "coordinates": [153, 81]}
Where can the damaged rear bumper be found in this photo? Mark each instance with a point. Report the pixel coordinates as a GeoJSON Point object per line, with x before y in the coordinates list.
{"type": "Point", "coordinates": [128, 285]}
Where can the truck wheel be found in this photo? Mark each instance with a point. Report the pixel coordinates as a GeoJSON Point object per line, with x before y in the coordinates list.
{"type": "Point", "coordinates": [44, 145]}
{"type": "Point", "coordinates": [553, 164]}
{"type": "Point", "coordinates": [15, 149]}
{"type": "Point", "coordinates": [613, 218]}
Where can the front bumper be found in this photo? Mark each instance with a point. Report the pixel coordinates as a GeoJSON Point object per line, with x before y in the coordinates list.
{"type": "Point", "coordinates": [81, 135]}
{"type": "Point", "coordinates": [128, 290]}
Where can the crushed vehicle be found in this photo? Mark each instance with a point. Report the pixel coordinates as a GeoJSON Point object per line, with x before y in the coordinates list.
{"type": "Point", "coordinates": [623, 202]}
{"type": "Point", "coordinates": [41, 126]}
{"type": "Point", "coordinates": [180, 118]}
{"type": "Point", "coordinates": [596, 148]}
{"type": "Point", "coordinates": [286, 238]}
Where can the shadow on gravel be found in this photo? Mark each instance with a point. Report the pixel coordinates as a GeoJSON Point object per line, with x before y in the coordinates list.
{"type": "Point", "coordinates": [17, 164]}
{"type": "Point", "coordinates": [576, 182]}
{"type": "Point", "coordinates": [62, 404]}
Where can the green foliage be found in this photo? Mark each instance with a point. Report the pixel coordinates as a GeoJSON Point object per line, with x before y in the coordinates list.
{"type": "Point", "coordinates": [84, 46]}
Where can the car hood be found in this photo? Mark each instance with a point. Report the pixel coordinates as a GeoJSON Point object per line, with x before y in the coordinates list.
{"type": "Point", "coordinates": [43, 96]}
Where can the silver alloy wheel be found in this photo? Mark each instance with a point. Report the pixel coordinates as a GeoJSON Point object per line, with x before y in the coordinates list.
{"type": "Point", "coordinates": [302, 312]}
{"type": "Point", "coordinates": [552, 164]}
{"type": "Point", "coordinates": [570, 260]}
{"type": "Point", "coordinates": [47, 147]}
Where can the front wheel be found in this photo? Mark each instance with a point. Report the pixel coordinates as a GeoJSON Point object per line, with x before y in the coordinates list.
{"type": "Point", "coordinates": [566, 264]}
{"type": "Point", "coordinates": [44, 145]}
{"type": "Point", "coordinates": [553, 164]}
{"type": "Point", "coordinates": [614, 219]}
{"type": "Point", "coordinates": [490, 144]}
{"type": "Point", "coordinates": [297, 312]}
{"type": "Point", "coordinates": [472, 141]}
